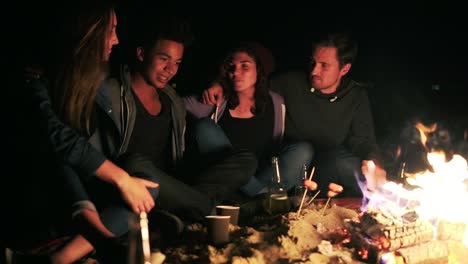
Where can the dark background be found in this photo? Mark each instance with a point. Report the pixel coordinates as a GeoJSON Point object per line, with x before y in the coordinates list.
{"type": "Point", "coordinates": [413, 54]}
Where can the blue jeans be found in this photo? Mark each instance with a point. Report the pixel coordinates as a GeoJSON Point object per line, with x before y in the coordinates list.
{"type": "Point", "coordinates": [114, 212]}
{"type": "Point", "coordinates": [339, 166]}
{"type": "Point", "coordinates": [209, 138]}
{"type": "Point", "coordinates": [44, 211]}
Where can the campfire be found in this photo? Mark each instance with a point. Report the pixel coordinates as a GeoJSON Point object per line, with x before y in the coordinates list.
{"type": "Point", "coordinates": [420, 219]}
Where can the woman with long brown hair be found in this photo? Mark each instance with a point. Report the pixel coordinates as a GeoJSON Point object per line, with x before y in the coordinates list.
{"type": "Point", "coordinates": [87, 181]}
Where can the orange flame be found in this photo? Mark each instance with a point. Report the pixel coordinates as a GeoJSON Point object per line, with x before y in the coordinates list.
{"type": "Point", "coordinates": [425, 130]}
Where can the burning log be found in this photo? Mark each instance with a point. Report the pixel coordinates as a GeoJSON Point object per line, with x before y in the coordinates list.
{"type": "Point", "coordinates": [412, 242]}
{"type": "Point", "coordinates": [385, 234]}
{"type": "Point", "coordinates": [451, 230]}
{"type": "Point", "coordinates": [417, 222]}
{"type": "Point", "coordinates": [429, 252]}
{"type": "Point", "coordinates": [380, 238]}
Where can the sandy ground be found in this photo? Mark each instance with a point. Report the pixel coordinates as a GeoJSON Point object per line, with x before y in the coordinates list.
{"type": "Point", "coordinates": [314, 236]}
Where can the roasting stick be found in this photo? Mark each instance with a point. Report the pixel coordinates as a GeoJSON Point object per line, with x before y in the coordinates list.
{"type": "Point", "coordinates": [145, 237]}
{"type": "Point", "coordinates": [326, 205]}
{"type": "Point", "coordinates": [333, 190]}
{"type": "Point", "coordinates": [313, 197]}
{"type": "Point", "coordinates": [216, 114]}
{"type": "Point", "coordinates": [305, 192]}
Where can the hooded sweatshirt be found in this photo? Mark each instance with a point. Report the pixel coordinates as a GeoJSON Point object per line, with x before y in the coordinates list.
{"type": "Point", "coordinates": [343, 118]}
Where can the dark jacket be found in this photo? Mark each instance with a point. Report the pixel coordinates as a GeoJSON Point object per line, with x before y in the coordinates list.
{"type": "Point", "coordinates": [64, 141]}
{"type": "Point", "coordinates": [118, 112]}
{"type": "Point", "coordinates": [328, 120]}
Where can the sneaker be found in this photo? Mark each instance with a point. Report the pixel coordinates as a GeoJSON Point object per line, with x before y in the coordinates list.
{"type": "Point", "coordinates": [168, 225]}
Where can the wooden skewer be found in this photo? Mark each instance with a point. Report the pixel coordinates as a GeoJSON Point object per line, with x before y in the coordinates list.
{"type": "Point", "coordinates": [313, 197]}
{"type": "Point", "coordinates": [145, 237]}
{"type": "Point", "coordinates": [326, 205]}
{"type": "Point", "coordinates": [305, 192]}
{"type": "Point", "coordinates": [216, 114]}
{"type": "Point", "coordinates": [334, 190]}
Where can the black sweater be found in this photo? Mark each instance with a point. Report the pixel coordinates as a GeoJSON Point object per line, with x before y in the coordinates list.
{"type": "Point", "coordinates": [328, 120]}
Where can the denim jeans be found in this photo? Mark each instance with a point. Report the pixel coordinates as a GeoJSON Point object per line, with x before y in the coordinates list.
{"type": "Point", "coordinates": [188, 202]}
{"type": "Point", "coordinates": [339, 166]}
{"type": "Point", "coordinates": [114, 212]}
{"type": "Point", "coordinates": [210, 138]}
{"type": "Point", "coordinates": [44, 211]}
{"type": "Point", "coordinates": [182, 199]}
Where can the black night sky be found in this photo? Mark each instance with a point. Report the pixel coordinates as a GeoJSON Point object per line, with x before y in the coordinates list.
{"type": "Point", "coordinates": [413, 54]}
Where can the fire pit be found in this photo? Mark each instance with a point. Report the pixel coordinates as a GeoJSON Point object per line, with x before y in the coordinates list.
{"type": "Point", "coordinates": [386, 232]}
{"type": "Point", "coordinates": [418, 221]}
{"type": "Point", "coordinates": [340, 235]}
{"type": "Point", "coordinates": [315, 236]}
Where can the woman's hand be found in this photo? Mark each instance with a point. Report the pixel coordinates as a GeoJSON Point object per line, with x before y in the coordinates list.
{"type": "Point", "coordinates": [135, 193]}
{"type": "Point", "coordinates": [133, 189]}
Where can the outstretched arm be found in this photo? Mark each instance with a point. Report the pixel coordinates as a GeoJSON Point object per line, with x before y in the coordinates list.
{"type": "Point", "coordinates": [66, 142]}
{"type": "Point", "coordinates": [80, 154]}
{"type": "Point", "coordinates": [133, 189]}
{"type": "Point", "coordinates": [361, 140]}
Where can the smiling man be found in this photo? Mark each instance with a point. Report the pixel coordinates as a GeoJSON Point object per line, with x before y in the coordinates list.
{"type": "Point", "coordinates": [146, 116]}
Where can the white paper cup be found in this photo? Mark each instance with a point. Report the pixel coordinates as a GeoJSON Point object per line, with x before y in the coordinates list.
{"type": "Point", "coordinates": [218, 228]}
{"type": "Point", "coordinates": [232, 211]}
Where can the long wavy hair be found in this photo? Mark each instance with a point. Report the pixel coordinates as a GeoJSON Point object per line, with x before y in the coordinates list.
{"type": "Point", "coordinates": [261, 86]}
{"type": "Point", "coordinates": [81, 70]}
